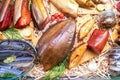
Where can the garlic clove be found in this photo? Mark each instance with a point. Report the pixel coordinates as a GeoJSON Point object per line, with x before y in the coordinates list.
{"type": "Point", "coordinates": [92, 66]}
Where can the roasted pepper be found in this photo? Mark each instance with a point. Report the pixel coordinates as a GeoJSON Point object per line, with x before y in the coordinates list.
{"type": "Point", "coordinates": [98, 40]}
{"type": "Point", "coordinates": [66, 6]}
{"type": "Point", "coordinates": [76, 55]}
{"type": "Point", "coordinates": [86, 3]}
{"type": "Point", "coordinates": [55, 44]}
{"type": "Point", "coordinates": [22, 16]}
{"type": "Point", "coordinates": [40, 13]}
{"type": "Point", "coordinates": [86, 28]}
{"type": "Point", "coordinates": [6, 15]}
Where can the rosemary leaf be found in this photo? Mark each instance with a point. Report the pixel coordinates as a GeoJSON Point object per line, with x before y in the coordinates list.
{"type": "Point", "coordinates": [56, 71]}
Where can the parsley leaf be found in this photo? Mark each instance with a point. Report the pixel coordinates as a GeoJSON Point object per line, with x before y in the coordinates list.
{"type": "Point", "coordinates": [12, 33]}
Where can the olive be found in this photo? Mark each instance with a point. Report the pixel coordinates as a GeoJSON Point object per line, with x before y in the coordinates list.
{"type": "Point", "coordinates": [118, 31]}
{"type": "Point", "coordinates": [117, 41]}
{"type": "Point", "coordinates": [109, 22]}
{"type": "Point", "coordinates": [107, 19]}
{"type": "Point", "coordinates": [106, 14]}
{"type": "Point", "coordinates": [119, 22]}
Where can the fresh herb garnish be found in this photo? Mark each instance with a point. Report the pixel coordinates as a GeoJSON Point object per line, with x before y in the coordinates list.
{"type": "Point", "coordinates": [115, 77]}
{"type": "Point", "coordinates": [56, 71]}
{"type": "Point", "coordinates": [7, 75]}
{"type": "Point", "coordinates": [12, 33]}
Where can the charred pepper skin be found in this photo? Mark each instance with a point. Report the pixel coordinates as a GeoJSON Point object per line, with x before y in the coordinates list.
{"type": "Point", "coordinates": [6, 14]}
{"type": "Point", "coordinates": [40, 13]}
{"type": "Point", "coordinates": [25, 18]}
{"type": "Point", "coordinates": [98, 40]}
{"type": "Point", "coordinates": [7, 20]}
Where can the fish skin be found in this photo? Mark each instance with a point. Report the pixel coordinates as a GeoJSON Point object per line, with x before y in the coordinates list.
{"type": "Point", "coordinates": [21, 63]}
{"type": "Point", "coordinates": [10, 69]}
{"type": "Point", "coordinates": [55, 43]}
{"type": "Point", "coordinates": [26, 57]}
{"type": "Point", "coordinates": [19, 48]}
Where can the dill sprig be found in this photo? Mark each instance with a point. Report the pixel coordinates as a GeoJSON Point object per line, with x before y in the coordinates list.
{"type": "Point", "coordinates": [56, 71]}
{"type": "Point", "coordinates": [11, 33]}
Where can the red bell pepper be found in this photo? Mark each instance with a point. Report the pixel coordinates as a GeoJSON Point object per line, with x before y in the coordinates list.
{"type": "Point", "coordinates": [98, 40]}
{"type": "Point", "coordinates": [6, 15]}
{"type": "Point", "coordinates": [1, 3]}
{"type": "Point", "coordinates": [25, 18]}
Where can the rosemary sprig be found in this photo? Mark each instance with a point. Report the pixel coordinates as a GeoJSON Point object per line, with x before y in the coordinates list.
{"type": "Point", "coordinates": [11, 33]}
{"type": "Point", "coordinates": [56, 71]}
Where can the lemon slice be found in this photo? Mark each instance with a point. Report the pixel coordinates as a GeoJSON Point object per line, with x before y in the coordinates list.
{"type": "Point", "coordinates": [100, 7]}
{"type": "Point", "coordinates": [26, 32]}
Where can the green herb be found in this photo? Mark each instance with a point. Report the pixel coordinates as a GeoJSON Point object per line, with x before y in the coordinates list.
{"type": "Point", "coordinates": [29, 4]}
{"type": "Point", "coordinates": [7, 75]}
{"type": "Point", "coordinates": [115, 77]}
{"type": "Point", "coordinates": [10, 59]}
{"type": "Point", "coordinates": [12, 33]}
{"type": "Point", "coordinates": [57, 71]}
